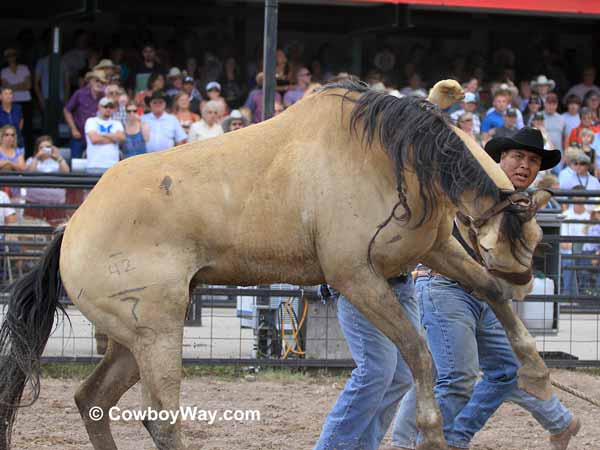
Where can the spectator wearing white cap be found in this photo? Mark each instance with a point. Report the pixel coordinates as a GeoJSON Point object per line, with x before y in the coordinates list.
{"type": "Point", "coordinates": [189, 87]}
{"type": "Point", "coordinates": [174, 82]}
{"type": "Point", "coordinates": [469, 104]}
{"type": "Point", "coordinates": [209, 126]}
{"type": "Point", "coordinates": [234, 121]}
{"type": "Point", "coordinates": [103, 135]}
{"type": "Point", "coordinates": [213, 92]}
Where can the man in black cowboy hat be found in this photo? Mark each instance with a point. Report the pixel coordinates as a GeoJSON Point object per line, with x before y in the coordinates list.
{"type": "Point", "coordinates": [165, 129]}
{"type": "Point", "coordinates": [465, 337]}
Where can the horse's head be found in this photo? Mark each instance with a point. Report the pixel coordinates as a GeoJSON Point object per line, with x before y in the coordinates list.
{"type": "Point", "coordinates": [505, 236]}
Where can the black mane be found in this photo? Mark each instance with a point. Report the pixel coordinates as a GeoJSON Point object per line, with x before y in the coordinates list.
{"type": "Point", "coordinates": [415, 133]}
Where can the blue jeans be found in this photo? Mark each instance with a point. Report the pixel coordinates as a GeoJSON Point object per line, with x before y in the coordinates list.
{"type": "Point", "coordinates": [366, 406]}
{"type": "Point", "coordinates": [465, 336]}
{"type": "Point", "coordinates": [77, 147]}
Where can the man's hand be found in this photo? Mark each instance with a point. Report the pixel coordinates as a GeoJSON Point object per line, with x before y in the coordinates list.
{"type": "Point", "coordinates": [75, 133]}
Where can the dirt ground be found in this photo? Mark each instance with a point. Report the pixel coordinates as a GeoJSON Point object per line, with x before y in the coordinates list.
{"type": "Point", "coordinates": [292, 411]}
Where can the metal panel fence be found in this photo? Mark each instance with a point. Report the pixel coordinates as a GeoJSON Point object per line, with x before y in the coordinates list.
{"type": "Point", "coordinates": [292, 325]}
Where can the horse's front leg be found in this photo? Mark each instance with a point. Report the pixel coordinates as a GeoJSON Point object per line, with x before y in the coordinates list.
{"type": "Point", "coordinates": [374, 298]}
{"type": "Point", "coordinates": [451, 260]}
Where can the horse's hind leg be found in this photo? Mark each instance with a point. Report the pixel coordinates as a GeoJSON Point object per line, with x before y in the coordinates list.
{"type": "Point", "coordinates": [117, 372]}
{"type": "Point", "coordinates": [159, 359]}
{"type": "Point", "coordinates": [375, 299]}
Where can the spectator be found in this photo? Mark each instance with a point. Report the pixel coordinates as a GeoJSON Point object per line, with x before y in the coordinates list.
{"type": "Point", "coordinates": [11, 114]}
{"type": "Point", "coordinates": [469, 104]}
{"type": "Point", "coordinates": [512, 93]}
{"type": "Point", "coordinates": [587, 121]}
{"type": "Point", "coordinates": [534, 105]}
{"type": "Point", "coordinates": [8, 215]}
{"type": "Point", "coordinates": [539, 123]}
{"type": "Point", "coordinates": [586, 85]}
{"type": "Point", "coordinates": [156, 82]}
{"type": "Point", "coordinates": [415, 84]}
{"type": "Point", "coordinates": [509, 128]}
{"type": "Point", "coordinates": [254, 102]}
{"type": "Point", "coordinates": [137, 133]}
{"type": "Point", "coordinates": [589, 248]}
{"type": "Point", "coordinates": [524, 94]}
{"type": "Point", "coordinates": [232, 84]}
{"type": "Point", "coordinates": [282, 71]}
{"type": "Point", "coordinates": [465, 123]}
{"type": "Point", "coordinates": [113, 91]}
{"type": "Point", "coordinates": [18, 78]}
{"type": "Point", "coordinates": [150, 64]}
{"type": "Point", "coordinates": [75, 59]}
{"type": "Point", "coordinates": [189, 88]}
{"type": "Point", "coordinates": [577, 171]}
{"type": "Point", "coordinates": [213, 92]}
{"type": "Point", "coordinates": [592, 101]}
{"type": "Point", "coordinates": [234, 121]}
{"type": "Point", "coordinates": [587, 138]}
{"type": "Point", "coordinates": [174, 82]}
{"type": "Point", "coordinates": [571, 116]}
{"type": "Point", "coordinates": [41, 82]}
{"type": "Point", "coordinates": [554, 122]}
{"type": "Point", "coordinates": [165, 129]}
{"type": "Point", "coordinates": [495, 118]}
{"type": "Point", "coordinates": [103, 135]}
{"type": "Point", "coordinates": [121, 68]}
{"type": "Point", "coordinates": [181, 110]}
{"type": "Point", "coordinates": [571, 278]}
{"type": "Point", "coordinates": [11, 157]}
{"type": "Point", "coordinates": [542, 86]}
{"type": "Point", "coordinates": [109, 69]}
{"type": "Point", "coordinates": [46, 159]}
{"type": "Point", "coordinates": [303, 79]}
{"type": "Point", "coordinates": [82, 105]}
{"type": "Point", "coordinates": [209, 125]}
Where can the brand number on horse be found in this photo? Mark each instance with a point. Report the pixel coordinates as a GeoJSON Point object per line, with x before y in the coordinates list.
{"type": "Point", "coordinates": [120, 267]}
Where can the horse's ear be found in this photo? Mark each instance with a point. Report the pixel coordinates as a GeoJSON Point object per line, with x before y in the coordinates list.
{"type": "Point", "coordinates": [541, 197]}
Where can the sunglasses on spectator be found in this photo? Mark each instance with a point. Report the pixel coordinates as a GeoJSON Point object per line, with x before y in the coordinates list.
{"type": "Point", "coordinates": [131, 110]}
{"type": "Point", "coordinates": [112, 92]}
{"type": "Point", "coordinates": [9, 134]}
{"type": "Point", "coordinates": [109, 106]}
{"type": "Point", "coordinates": [579, 163]}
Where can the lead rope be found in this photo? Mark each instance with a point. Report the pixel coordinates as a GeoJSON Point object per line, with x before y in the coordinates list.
{"type": "Point", "coordinates": [576, 393]}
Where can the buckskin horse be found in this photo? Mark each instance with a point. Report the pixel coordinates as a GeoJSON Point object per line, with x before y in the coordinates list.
{"type": "Point", "coordinates": [350, 187]}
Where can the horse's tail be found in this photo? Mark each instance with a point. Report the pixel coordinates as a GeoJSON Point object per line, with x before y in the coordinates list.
{"type": "Point", "coordinates": [28, 322]}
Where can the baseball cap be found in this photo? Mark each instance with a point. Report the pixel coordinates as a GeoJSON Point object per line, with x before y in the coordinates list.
{"type": "Point", "coordinates": [188, 80]}
{"type": "Point", "coordinates": [512, 112]}
{"type": "Point", "coordinates": [105, 101]}
{"type": "Point", "coordinates": [174, 72]}
{"type": "Point", "coordinates": [470, 98]}
{"type": "Point", "coordinates": [213, 85]}
{"type": "Point", "coordinates": [538, 116]}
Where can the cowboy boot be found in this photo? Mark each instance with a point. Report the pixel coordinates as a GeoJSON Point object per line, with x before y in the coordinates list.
{"type": "Point", "coordinates": [561, 440]}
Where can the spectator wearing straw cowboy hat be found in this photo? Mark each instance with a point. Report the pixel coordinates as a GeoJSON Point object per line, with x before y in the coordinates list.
{"type": "Point", "coordinates": [110, 70]}
{"type": "Point", "coordinates": [234, 121]}
{"type": "Point", "coordinates": [82, 105]}
{"type": "Point", "coordinates": [542, 86]}
{"type": "Point", "coordinates": [465, 337]}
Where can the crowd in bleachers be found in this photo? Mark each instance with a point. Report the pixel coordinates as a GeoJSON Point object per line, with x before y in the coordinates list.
{"type": "Point", "coordinates": [122, 102]}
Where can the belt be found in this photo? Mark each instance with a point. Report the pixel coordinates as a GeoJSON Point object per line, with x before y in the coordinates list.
{"type": "Point", "coordinates": [424, 273]}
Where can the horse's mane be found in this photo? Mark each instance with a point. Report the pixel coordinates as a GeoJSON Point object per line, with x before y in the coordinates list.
{"type": "Point", "coordinates": [416, 134]}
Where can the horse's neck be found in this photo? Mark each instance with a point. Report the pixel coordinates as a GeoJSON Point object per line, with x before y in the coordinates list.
{"type": "Point", "coordinates": [490, 167]}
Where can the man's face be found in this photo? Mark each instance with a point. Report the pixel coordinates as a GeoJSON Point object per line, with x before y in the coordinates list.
{"type": "Point", "coordinates": [97, 85]}
{"type": "Point", "coordinates": [510, 121]}
{"type": "Point", "coordinates": [236, 124]}
{"type": "Point", "coordinates": [589, 76]}
{"type": "Point", "coordinates": [470, 107]}
{"type": "Point", "coordinates": [157, 106]}
{"type": "Point", "coordinates": [521, 166]}
{"type": "Point", "coordinates": [304, 77]}
{"type": "Point", "coordinates": [149, 54]}
{"type": "Point", "coordinates": [580, 168]}
{"type": "Point", "coordinates": [573, 108]}
{"type": "Point", "coordinates": [7, 96]}
{"type": "Point", "coordinates": [188, 87]}
{"type": "Point", "coordinates": [106, 111]}
{"type": "Point", "coordinates": [551, 106]}
{"type": "Point", "coordinates": [500, 103]}
{"type": "Point", "coordinates": [543, 89]}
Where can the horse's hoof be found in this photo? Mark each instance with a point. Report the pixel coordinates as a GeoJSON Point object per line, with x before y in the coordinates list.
{"type": "Point", "coordinates": [539, 386]}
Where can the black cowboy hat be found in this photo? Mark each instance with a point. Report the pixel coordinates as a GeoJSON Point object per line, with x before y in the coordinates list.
{"type": "Point", "coordinates": [526, 138]}
{"type": "Point", "coordinates": [157, 95]}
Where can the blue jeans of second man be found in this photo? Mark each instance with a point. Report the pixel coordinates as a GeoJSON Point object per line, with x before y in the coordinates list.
{"type": "Point", "coordinates": [465, 336]}
{"type": "Point", "coordinates": [365, 408]}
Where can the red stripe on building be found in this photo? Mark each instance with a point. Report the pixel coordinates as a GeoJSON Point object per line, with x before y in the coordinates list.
{"type": "Point", "coordinates": [556, 6]}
